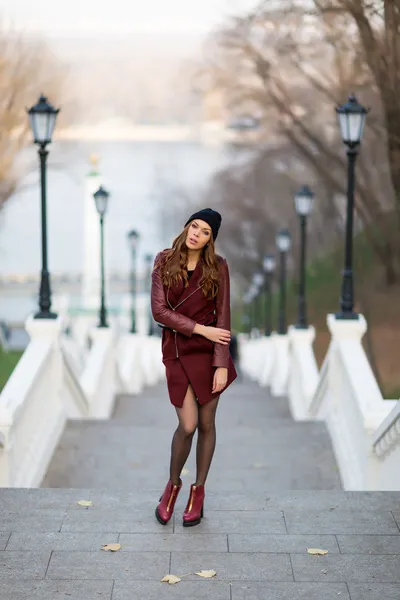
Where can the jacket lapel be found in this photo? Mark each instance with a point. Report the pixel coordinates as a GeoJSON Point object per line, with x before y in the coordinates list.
{"type": "Point", "coordinates": [194, 284]}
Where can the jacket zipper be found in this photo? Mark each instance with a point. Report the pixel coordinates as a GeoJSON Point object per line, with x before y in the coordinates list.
{"type": "Point", "coordinates": [176, 346]}
{"type": "Point", "coordinates": [174, 309]}
{"type": "Point", "coordinates": [187, 297]}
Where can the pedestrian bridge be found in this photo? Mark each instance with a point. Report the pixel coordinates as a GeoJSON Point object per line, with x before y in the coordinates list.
{"type": "Point", "coordinates": [305, 460]}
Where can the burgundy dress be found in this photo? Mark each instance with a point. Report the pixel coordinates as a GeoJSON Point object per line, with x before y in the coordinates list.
{"type": "Point", "coordinates": [190, 358]}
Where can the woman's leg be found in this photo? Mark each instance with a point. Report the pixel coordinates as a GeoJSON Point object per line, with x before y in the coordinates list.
{"type": "Point", "coordinates": [183, 436]}
{"type": "Point", "coordinates": [206, 439]}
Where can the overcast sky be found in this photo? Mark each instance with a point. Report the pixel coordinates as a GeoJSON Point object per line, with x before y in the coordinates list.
{"type": "Point", "coordinates": [97, 16]}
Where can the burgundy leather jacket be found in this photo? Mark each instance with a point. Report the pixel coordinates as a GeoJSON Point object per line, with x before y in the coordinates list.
{"type": "Point", "coordinates": [179, 309]}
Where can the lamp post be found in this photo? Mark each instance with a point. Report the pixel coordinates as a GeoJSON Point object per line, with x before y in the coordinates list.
{"type": "Point", "coordinates": [42, 117]}
{"type": "Point", "coordinates": [351, 120]}
{"type": "Point", "coordinates": [149, 262]}
{"type": "Point", "coordinates": [258, 280]}
{"type": "Point", "coordinates": [283, 242]}
{"type": "Point", "coordinates": [269, 268]}
{"type": "Point", "coordinates": [304, 201]}
{"type": "Point", "coordinates": [133, 238]}
{"type": "Point", "coordinates": [101, 200]}
{"type": "Point", "coordinates": [253, 296]}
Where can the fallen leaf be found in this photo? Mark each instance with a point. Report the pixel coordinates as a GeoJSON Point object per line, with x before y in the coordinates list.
{"type": "Point", "coordinates": [324, 571]}
{"type": "Point", "coordinates": [112, 547]}
{"type": "Point", "coordinates": [317, 551]}
{"type": "Point", "coordinates": [207, 574]}
{"type": "Point", "coordinates": [85, 503]}
{"type": "Point", "coordinates": [171, 579]}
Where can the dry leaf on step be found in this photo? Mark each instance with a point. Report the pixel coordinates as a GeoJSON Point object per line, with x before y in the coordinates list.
{"type": "Point", "coordinates": [111, 547]}
{"type": "Point", "coordinates": [317, 551]}
{"type": "Point", "coordinates": [171, 579]}
{"type": "Point", "coordinates": [207, 574]}
{"type": "Point", "coordinates": [85, 503]}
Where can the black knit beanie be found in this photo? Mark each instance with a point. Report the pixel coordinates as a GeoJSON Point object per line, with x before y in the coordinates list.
{"type": "Point", "coordinates": [210, 216]}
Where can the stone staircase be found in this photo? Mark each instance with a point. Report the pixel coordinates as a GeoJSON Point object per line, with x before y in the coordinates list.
{"type": "Point", "coordinates": [273, 492]}
{"type": "Point", "coordinates": [259, 447]}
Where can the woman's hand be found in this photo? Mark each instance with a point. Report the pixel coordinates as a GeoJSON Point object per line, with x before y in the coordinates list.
{"type": "Point", "coordinates": [220, 379]}
{"type": "Point", "coordinates": [217, 335]}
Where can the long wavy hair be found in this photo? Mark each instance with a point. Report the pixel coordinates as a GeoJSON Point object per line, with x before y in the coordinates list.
{"type": "Point", "coordinates": [173, 265]}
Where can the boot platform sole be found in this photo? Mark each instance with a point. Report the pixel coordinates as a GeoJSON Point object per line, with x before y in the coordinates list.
{"type": "Point", "coordinates": [191, 523]}
{"type": "Point", "coordinates": [159, 519]}
{"type": "Point", "coordinates": [195, 521]}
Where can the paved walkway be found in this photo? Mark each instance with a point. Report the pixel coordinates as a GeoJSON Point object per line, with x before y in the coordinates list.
{"type": "Point", "coordinates": [272, 494]}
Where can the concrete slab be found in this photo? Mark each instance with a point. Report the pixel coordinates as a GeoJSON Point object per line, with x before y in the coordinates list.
{"type": "Point", "coordinates": [157, 542]}
{"type": "Point", "coordinates": [41, 498]}
{"type": "Point", "coordinates": [35, 519]}
{"type": "Point", "coordinates": [281, 543]}
{"type": "Point", "coordinates": [234, 567]}
{"type": "Point", "coordinates": [333, 500]}
{"type": "Point", "coordinates": [289, 591]}
{"type": "Point", "coordinates": [369, 544]}
{"type": "Point", "coordinates": [56, 590]}
{"type": "Point", "coordinates": [246, 522]}
{"type": "Point", "coordinates": [340, 522]}
{"type": "Point", "coordinates": [374, 591]}
{"type": "Point", "coordinates": [108, 565]}
{"type": "Point", "coordinates": [123, 521]}
{"type": "Point", "coordinates": [22, 565]}
{"type": "Point", "coordinates": [346, 567]}
{"type": "Point", "coordinates": [184, 590]}
{"type": "Point", "coordinates": [4, 537]}
{"type": "Point", "coordinates": [28, 541]}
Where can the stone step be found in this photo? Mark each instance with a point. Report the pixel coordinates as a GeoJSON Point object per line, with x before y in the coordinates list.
{"type": "Point", "coordinates": [50, 547]}
{"type": "Point", "coordinates": [259, 446]}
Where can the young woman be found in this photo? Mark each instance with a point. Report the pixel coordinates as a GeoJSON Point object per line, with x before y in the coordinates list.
{"type": "Point", "coordinates": [190, 298]}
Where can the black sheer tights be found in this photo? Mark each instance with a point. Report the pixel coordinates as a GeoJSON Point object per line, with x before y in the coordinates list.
{"type": "Point", "coordinates": [192, 416]}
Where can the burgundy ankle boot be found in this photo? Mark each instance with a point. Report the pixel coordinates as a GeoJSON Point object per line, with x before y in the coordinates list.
{"type": "Point", "coordinates": [195, 507]}
{"type": "Point", "coordinates": [166, 507]}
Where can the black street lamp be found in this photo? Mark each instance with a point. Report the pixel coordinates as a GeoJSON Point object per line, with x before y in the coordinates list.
{"type": "Point", "coordinates": [269, 268]}
{"type": "Point", "coordinates": [249, 300]}
{"type": "Point", "coordinates": [304, 201]}
{"type": "Point", "coordinates": [351, 119]}
{"type": "Point", "coordinates": [42, 117]}
{"type": "Point", "coordinates": [246, 314]}
{"type": "Point", "coordinates": [133, 238]}
{"type": "Point", "coordinates": [258, 280]}
{"type": "Point", "coordinates": [149, 267]}
{"type": "Point", "coordinates": [101, 199]}
{"type": "Point", "coordinates": [283, 242]}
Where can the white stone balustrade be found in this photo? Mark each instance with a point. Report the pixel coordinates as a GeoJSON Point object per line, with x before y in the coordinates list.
{"type": "Point", "coordinates": [98, 379]}
{"type": "Point", "coordinates": [279, 364]}
{"type": "Point", "coordinates": [302, 372]}
{"type": "Point", "coordinates": [32, 415]}
{"type": "Point", "coordinates": [56, 380]}
{"type": "Point", "coordinates": [364, 427]}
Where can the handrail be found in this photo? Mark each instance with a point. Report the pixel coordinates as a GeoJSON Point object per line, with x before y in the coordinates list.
{"type": "Point", "coordinates": [23, 379]}
{"type": "Point", "coordinates": [84, 404]}
{"type": "Point", "coordinates": [388, 433]}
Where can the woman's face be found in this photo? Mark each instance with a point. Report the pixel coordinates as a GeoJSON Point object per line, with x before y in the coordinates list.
{"type": "Point", "coordinates": [199, 234]}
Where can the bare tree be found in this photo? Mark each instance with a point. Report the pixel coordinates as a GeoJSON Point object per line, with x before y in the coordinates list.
{"type": "Point", "coordinates": [293, 67]}
{"type": "Point", "coordinates": [378, 27]}
{"type": "Point", "coordinates": [27, 68]}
